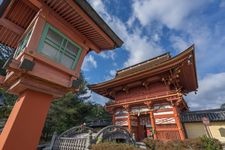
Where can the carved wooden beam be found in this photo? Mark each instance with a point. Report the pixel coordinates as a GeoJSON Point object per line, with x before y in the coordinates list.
{"type": "Point", "coordinates": [149, 104]}
{"type": "Point", "coordinates": [173, 78]}
{"type": "Point", "coordinates": [35, 3]}
{"type": "Point", "coordinates": [146, 84]}
{"type": "Point", "coordinates": [112, 93]}
{"type": "Point", "coordinates": [11, 26]}
{"type": "Point", "coordinates": [126, 107]}
{"type": "Point", "coordinates": [126, 89]}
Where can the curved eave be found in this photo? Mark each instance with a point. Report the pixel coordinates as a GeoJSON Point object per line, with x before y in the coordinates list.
{"type": "Point", "coordinates": [99, 21]}
{"type": "Point", "coordinates": [165, 66]}
{"type": "Point", "coordinates": [189, 74]}
{"type": "Point", "coordinates": [78, 15]}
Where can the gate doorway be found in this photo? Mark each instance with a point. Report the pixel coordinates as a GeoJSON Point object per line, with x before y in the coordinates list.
{"type": "Point", "coordinates": [143, 128]}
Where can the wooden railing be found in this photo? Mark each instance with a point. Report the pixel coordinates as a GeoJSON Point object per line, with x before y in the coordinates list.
{"type": "Point", "coordinates": [78, 139]}
{"type": "Point", "coordinates": [71, 143]}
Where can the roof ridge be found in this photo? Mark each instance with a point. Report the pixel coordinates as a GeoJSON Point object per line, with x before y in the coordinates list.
{"type": "Point", "coordinates": [144, 62]}
{"type": "Point", "coordinates": [206, 110]}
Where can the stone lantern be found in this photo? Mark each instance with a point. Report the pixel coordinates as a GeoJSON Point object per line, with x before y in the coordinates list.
{"type": "Point", "coordinates": [52, 38]}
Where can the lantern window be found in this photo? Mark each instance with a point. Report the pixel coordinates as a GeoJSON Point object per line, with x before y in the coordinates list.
{"type": "Point", "coordinates": [59, 47]}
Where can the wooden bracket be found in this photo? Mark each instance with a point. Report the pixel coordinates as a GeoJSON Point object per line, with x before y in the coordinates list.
{"type": "Point", "coordinates": [149, 104]}
{"type": "Point", "coordinates": [126, 107]}
{"type": "Point", "coordinates": [146, 84]}
{"type": "Point", "coordinates": [126, 89]}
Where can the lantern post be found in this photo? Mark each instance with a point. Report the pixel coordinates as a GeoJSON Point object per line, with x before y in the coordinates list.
{"type": "Point", "coordinates": [51, 45]}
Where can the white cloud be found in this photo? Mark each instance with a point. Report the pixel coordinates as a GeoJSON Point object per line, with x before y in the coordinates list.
{"type": "Point", "coordinates": [108, 54]}
{"type": "Point", "coordinates": [138, 46]}
{"type": "Point", "coordinates": [171, 13]}
{"type": "Point", "coordinates": [94, 97]}
{"type": "Point", "coordinates": [110, 76]}
{"type": "Point", "coordinates": [98, 98]}
{"type": "Point", "coordinates": [211, 93]}
{"type": "Point", "coordinates": [140, 49]}
{"type": "Point", "coordinates": [210, 43]}
{"type": "Point", "coordinates": [112, 72]}
{"type": "Point", "coordinates": [178, 43]}
{"type": "Point", "coordinates": [156, 37]}
{"type": "Point", "coordinates": [89, 63]}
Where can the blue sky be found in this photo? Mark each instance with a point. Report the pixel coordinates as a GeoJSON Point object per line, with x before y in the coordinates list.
{"type": "Point", "coordinates": [152, 27]}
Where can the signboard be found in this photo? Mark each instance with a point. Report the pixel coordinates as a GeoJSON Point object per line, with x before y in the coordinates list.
{"type": "Point", "coordinates": [205, 121]}
{"type": "Point", "coordinates": [165, 120]}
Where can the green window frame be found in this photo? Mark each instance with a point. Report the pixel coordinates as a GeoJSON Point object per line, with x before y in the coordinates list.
{"type": "Point", "coordinates": [22, 44]}
{"type": "Point", "coordinates": [58, 47]}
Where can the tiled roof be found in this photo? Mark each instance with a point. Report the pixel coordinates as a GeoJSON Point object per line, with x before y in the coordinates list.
{"type": "Point", "coordinates": [183, 64]}
{"type": "Point", "coordinates": [196, 116]}
{"type": "Point", "coordinates": [143, 65]}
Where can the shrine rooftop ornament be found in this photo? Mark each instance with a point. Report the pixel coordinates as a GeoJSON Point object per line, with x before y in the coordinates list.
{"type": "Point", "coordinates": [51, 39]}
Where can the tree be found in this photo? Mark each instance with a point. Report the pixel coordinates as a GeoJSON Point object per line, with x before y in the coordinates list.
{"type": "Point", "coordinates": [7, 99]}
{"type": "Point", "coordinates": [72, 110]}
{"type": "Point", "coordinates": [5, 53]}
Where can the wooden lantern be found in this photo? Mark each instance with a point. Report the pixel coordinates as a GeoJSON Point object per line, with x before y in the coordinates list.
{"type": "Point", "coordinates": [51, 38]}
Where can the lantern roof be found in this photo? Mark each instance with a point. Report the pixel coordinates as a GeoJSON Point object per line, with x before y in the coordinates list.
{"type": "Point", "coordinates": [16, 15]}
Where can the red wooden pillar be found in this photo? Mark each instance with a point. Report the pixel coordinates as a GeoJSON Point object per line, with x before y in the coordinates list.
{"type": "Point", "coordinates": [113, 117]}
{"type": "Point", "coordinates": [24, 125]}
{"type": "Point", "coordinates": [127, 108]}
{"type": "Point", "coordinates": [129, 122]}
{"type": "Point", "coordinates": [152, 119]}
{"type": "Point", "coordinates": [138, 128]}
{"type": "Point", "coordinates": [178, 122]}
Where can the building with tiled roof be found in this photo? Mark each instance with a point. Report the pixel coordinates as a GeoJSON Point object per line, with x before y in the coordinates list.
{"type": "Point", "coordinates": [147, 98]}
{"type": "Point", "coordinates": [194, 127]}
{"type": "Point", "coordinates": [196, 116]}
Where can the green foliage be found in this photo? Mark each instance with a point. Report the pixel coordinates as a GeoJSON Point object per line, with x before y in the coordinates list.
{"type": "Point", "coordinates": [2, 71]}
{"type": "Point", "coordinates": [9, 101]}
{"type": "Point", "coordinates": [152, 144]}
{"type": "Point", "coordinates": [113, 146]}
{"type": "Point", "coordinates": [72, 110]}
{"type": "Point", "coordinates": [5, 53]}
{"type": "Point", "coordinates": [203, 143]}
{"type": "Point", "coordinates": [211, 143]}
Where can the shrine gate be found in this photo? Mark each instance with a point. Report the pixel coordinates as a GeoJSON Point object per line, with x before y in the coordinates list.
{"type": "Point", "coordinates": [147, 98]}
